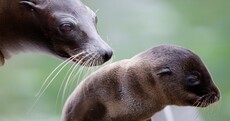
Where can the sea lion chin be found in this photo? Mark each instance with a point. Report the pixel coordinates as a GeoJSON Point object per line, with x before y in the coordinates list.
{"type": "Point", "coordinates": [137, 88]}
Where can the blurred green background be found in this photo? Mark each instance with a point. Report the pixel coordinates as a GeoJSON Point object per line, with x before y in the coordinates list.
{"type": "Point", "coordinates": [129, 26]}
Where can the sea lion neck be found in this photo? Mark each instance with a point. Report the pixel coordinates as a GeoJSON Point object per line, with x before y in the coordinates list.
{"type": "Point", "coordinates": [140, 76]}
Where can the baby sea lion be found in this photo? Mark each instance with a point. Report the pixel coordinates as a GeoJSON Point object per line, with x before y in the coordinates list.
{"type": "Point", "coordinates": [62, 28]}
{"type": "Point", "coordinates": [136, 88]}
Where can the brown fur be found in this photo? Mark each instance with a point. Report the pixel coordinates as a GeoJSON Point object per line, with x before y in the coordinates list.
{"type": "Point", "coordinates": [35, 25]}
{"type": "Point", "coordinates": [135, 89]}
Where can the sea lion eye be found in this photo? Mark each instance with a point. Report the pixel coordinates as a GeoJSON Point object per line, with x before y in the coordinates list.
{"type": "Point", "coordinates": [66, 27]}
{"type": "Point", "coordinates": [164, 71]}
{"type": "Point", "coordinates": [193, 81]}
{"type": "Point", "coordinates": [194, 78]}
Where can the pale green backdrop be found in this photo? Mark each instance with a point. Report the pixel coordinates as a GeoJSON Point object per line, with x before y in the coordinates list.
{"type": "Point", "coordinates": [129, 26]}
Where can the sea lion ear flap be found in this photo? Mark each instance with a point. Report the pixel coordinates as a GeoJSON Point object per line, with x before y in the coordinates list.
{"type": "Point", "coordinates": [164, 70]}
{"type": "Point", "coordinates": [30, 5]}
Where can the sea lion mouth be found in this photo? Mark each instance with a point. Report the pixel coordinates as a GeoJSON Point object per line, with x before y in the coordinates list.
{"type": "Point", "coordinates": [83, 58]}
{"type": "Point", "coordinates": [206, 100]}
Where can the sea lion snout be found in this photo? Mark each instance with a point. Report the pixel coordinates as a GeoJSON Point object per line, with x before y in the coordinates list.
{"type": "Point", "coordinates": [207, 99]}
{"type": "Point", "coordinates": [102, 49]}
{"type": "Point", "coordinates": [212, 96]}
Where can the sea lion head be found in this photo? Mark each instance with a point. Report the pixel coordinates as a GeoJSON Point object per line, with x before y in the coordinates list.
{"type": "Point", "coordinates": [180, 75]}
{"type": "Point", "coordinates": [70, 30]}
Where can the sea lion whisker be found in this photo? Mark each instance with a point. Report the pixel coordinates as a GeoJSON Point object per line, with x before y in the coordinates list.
{"type": "Point", "coordinates": [79, 75]}
{"type": "Point", "coordinates": [67, 62]}
{"type": "Point", "coordinates": [47, 82]}
{"type": "Point", "coordinates": [63, 64]}
{"type": "Point", "coordinates": [199, 104]}
{"type": "Point", "coordinates": [202, 100]}
{"type": "Point", "coordinates": [70, 75]}
{"type": "Point", "coordinates": [91, 62]}
{"type": "Point", "coordinates": [96, 11]}
{"type": "Point", "coordinates": [59, 91]}
{"type": "Point", "coordinates": [202, 104]}
{"type": "Point", "coordinates": [54, 70]}
{"type": "Point", "coordinates": [87, 70]}
{"type": "Point", "coordinates": [198, 100]}
{"type": "Point", "coordinates": [82, 70]}
{"type": "Point", "coordinates": [64, 80]}
{"type": "Point", "coordinates": [206, 101]}
{"type": "Point", "coordinates": [209, 99]}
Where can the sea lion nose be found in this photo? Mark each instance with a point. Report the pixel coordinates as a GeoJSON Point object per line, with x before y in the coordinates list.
{"type": "Point", "coordinates": [107, 55]}
{"type": "Point", "coordinates": [215, 94]}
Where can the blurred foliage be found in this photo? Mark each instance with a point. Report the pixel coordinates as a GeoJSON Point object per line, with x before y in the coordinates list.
{"type": "Point", "coordinates": [130, 27]}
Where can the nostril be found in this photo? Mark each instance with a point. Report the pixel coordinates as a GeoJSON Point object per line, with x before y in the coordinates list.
{"type": "Point", "coordinates": [107, 55]}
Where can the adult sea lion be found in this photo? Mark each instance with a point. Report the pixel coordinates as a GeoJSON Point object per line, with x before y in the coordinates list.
{"type": "Point", "coordinates": [136, 88]}
{"type": "Point", "coordinates": [63, 28]}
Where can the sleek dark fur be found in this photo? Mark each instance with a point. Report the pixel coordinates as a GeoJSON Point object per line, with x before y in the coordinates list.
{"type": "Point", "coordinates": [136, 88]}
{"type": "Point", "coordinates": [63, 28]}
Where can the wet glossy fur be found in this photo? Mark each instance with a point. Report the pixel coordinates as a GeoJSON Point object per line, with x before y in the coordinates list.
{"type": "Point", "coordinates": [136, 88]}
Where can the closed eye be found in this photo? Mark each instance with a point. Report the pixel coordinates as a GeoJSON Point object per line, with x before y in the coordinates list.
{"type": "Point", "coordinates": [194, 78]}
{"type": "Point", "coordinates": [164, 71]}
{"type": "Point", "coordinates": [193, 81]}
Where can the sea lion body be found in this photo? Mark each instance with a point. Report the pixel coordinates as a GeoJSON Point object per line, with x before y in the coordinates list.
{"type": "Point", "coordinates": [60, 28]}
{"type": "Point", "coordinates": [136, 88]}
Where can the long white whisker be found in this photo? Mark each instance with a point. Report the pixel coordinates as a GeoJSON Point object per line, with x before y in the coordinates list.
{"type": "Point", "coordinates": [91, 62]}
{"type": "Point", "coordinates": [78, 79]}
{"type": "Point", "coordinates": [68, 80]}
{"type": "Point", "coordinates": [66, 61]}
{"type": "Point", "coordinates": [41, 93]}
{"type": "Point", "coordinates": [43, 88]}
{"type": "Point", "coordinates": [71, 81]}
{"type": "Point", "coordinates": [86, 63]}
{"type": "Point", "coordinates": [80, 72]}
{"type": "Point", "coordinates": [62, 84]}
